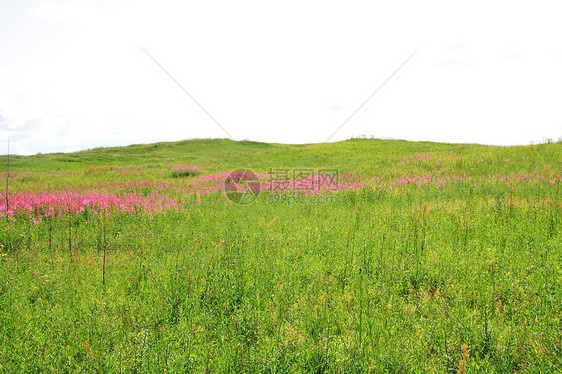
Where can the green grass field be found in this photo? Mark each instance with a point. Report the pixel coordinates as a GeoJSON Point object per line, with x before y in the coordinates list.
{"type": "Point", "coordinates": [113, 261]}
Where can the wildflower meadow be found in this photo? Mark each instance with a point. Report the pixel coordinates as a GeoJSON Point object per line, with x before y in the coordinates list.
{"type": "Point", "coordinates": [367, 255]}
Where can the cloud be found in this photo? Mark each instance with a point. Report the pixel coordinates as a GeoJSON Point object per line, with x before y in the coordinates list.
{"type": "Point", "coordinates": [3, 121]}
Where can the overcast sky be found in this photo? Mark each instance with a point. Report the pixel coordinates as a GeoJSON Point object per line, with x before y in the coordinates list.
{"type": "Point", "coordinates": [75, 74]}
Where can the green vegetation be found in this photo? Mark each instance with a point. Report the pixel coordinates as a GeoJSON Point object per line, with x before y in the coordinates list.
{"type": "Point", "coordinates": [425, 248]}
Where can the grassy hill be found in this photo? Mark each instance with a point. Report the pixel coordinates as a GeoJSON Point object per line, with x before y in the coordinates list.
{"type": "Point", "coordinates": [225, 153]}
{"type": "Point", "coordinates": [361, 156]}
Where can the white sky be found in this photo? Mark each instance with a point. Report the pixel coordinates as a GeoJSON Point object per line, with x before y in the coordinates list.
{"type": "Point", "coordinates": [73, 74]}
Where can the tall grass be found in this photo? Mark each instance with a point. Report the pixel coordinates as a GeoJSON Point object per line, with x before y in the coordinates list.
{"type": "Point", "coordinates": [414, 278]}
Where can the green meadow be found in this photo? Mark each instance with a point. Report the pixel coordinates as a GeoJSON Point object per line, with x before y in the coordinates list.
{"type": "Point", "coordinates": [426, 258]}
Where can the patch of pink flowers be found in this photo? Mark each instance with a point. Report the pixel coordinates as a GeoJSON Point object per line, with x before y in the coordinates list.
{"type": "Point", "coordinates": [151, 196]}
{"type": "Point", "coordinates": [45, 204]}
